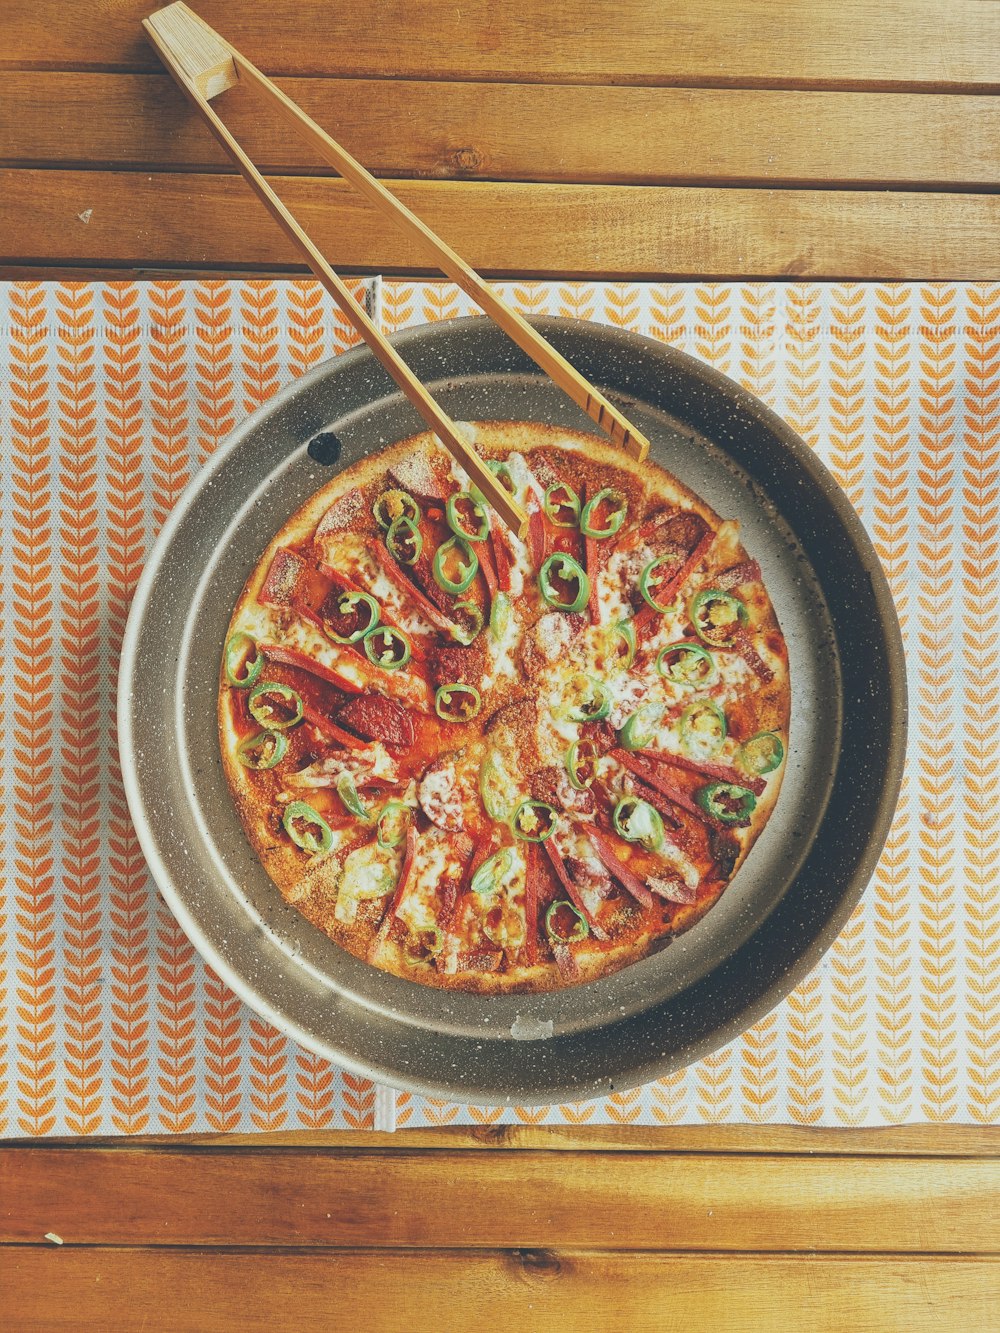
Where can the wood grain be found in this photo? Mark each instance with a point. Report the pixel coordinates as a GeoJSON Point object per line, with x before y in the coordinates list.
{"type": "Point", "coordinates": [520, 132]}
{"type": "Point", "coordinates": [452, 1292]}
{"type": "Point", "coordinates": [890, 1141]}
{"type": "Point", "coordinates": [362, 1198]}
{"type": "Point", "coordinates": [848, 43]}
{"type": "Point", "coordinates": [624, 231]}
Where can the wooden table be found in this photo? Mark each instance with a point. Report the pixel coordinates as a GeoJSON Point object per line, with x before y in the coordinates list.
{"type": "Point", "coordinates": [574, 137]}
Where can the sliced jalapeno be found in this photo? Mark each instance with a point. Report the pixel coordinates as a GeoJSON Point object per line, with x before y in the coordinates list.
{"type": "Point", "coordinates": [457, 555]}
{"type": "Point", "coordinates": [479, 530]}
{"type": "Point", "coordinates": [392, 824]}
{"type": "Point", "coordinates": [387, 647]}
{"type": "Point", "coordinates": [424, 944]}
{"type": "Point", "coordinates": [458, 702]}
{"type": "Point", "coordinates": [393, 505]}
{"type": "Point", "coordinates": [636, 820]}
{"type": "Point", "coordinates": [264, 750]}
{"type": "Point", "coordinates": [275, 706]}
{"type": "Point", "coordinates": [717, 616]}
{"type": "Point", "coordinates": [687, 664]}
{"type": "Point", "coordinates": [624, 643]}
{"type": "Point", "coordinates": [640, 727]}
{"type": "Point", "coordinates": [616, 508]}
{"type": "Point", "coordinates": [727, 802]}
{"type": "Point", "coordinates": [491, 789]}
{"type": "Point", "coordinates": [586, 699]}
{"type": "Point", "coordinates": [564, 924]}
{"type": "Point", "coordinates": [470, 625]}
{"type": "Point", "coordinates": [562, 505]}
{"type": "Point", "coordinates": [657, 571]}
{"type": "Point", "coordinates": [365, 611]}
{"type": "Point", "coordinates": [581, 764]}
{"type": "Point", "coordinates": [244, 662]}
{"type": "Point", "coordinates": [564, 583]}
{"type": "Point", "coordinates": [762, 753]}
{"type": "Point", "coordinates": [499, 616]}
{"type": "Point", "coordinates": [703, 729]}
{"type": "Point", "coordinates": [348, 793]}
{"type": "Point", "coordinates": [307, 828]}
{"type": "Point", "coordinates": [404, 541]}
{"type": "Point", "coordinates": [487, 879]}
{"type": "Point", "coordinates": [534, 821]}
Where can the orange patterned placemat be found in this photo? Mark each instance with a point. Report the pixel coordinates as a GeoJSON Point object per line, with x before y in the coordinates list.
{"type": "Point", "coordinates": [112, 394]}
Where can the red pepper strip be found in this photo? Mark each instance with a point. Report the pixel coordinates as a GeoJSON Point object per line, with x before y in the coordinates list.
{"type": "Point", "coordinates": [747, 572]}
{"type": "Point", "coordinates": [404, 870]}
{"type": "Point", "coordinates": [627, 878]}
{"type": "Point", "coordinates": [531, 904]}
{"type": "Point", "coordinates": [718, 771]}
{"type": "Point", "coordinates": [339, 578]}
{"type": "Point", "coordinates": [648, 773]}
{"type": "Point", "coordinates": [331, 730]}
{"type": "Point", "coordinates": [489, 576]}
{"type": "Point", "coordinates": [537, 538]}
{"type": "Point", "coordinates": [422, 602]}
{"type": "Point", "coordinates": [591, 561]}
{"type": "Point", "coordinates": [283, 581]}
{"type": "Point", "coordinates": [744, 646]}
{"type": "Point", "coordinates": [503, 558]}
{"type": "Point", "coordinates": [656, 800]}
{"type": "Point", "coordinates": [562, 874]}
{"type": "Point", "coordinates": [292, 657]}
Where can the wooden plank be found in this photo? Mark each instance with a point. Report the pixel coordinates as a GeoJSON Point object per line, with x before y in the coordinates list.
{"type": "Point", "coordinates": [891, 1140]}
{"type": "Point", "coordinates": [528, 1291]}
{"type": "Point", "coordinates": [852, 43]}
{"type": "Point", "coordinates": [526, 230]}
{"type": "Point", "coordinates": [518, 132]}
{"type": "Point", "coordinates": [580, 1200]}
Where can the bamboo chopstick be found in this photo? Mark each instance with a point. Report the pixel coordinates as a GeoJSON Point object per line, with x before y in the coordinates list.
{"type": "Point", "coordinates": [204, 65]}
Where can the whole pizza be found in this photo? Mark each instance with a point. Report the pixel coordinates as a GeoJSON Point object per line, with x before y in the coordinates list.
{"type": "Point", "coordinates": [498, 765]}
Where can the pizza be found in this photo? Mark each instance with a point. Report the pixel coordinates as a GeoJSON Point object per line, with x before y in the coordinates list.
{"type": "Point", "coordinates": [496, 765]}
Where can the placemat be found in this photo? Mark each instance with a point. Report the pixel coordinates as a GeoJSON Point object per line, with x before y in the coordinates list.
{"type": "Point", "coordinates": [112, 394]}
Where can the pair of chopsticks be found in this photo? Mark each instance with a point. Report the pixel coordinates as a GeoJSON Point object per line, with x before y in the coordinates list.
{"type": "Point", "coordinates": [205, 65]}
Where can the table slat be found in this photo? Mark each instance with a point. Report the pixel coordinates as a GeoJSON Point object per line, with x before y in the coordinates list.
{"type": "Point", "coordinates": [557, 230]}
{"type": "Point", "coordinates": [848, 43]}
{"type": "Point", "coordinates": [640, 1201]}
{"type": "Point", "coordinates": [519, 132]}
{"type": "Point", "coordinates": [451, 1292]}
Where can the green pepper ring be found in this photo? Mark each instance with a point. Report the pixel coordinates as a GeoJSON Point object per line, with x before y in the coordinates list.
{"type": "Point", "coordinates": [455, 522]}
{"type": "Point", "coordinates": [308, 843]}
{"type": "Point", "coordinates": [286, 692]}
{"type": "Point", "coordinates": [466, 636]}
{"type": "Point", "coordinates": [280, 748]}
{"type": "Point", "coordinates": [443, 697]}
{"type": "Point", "coordinates": [391, 634]}
{"type": "Point", "coordinates": [687, 727]}
{"type": "Point", "coordinates": [390, 808]}
{"type": "Point", "coordinates": [693, 650]}
{"type": "Point", "coordinates": [572, 761]}
{"type": "Point", "coordinates": [771, 761]}
{"type": "Point", "coordinates": [600, 693]}
{"type": "Point", "coordinates": [352, 599]}
{"type": "Point", "coordinates": [384, 521]}
{"type": "Point", "coordinates": [645, 578]}
{"type": "Point", "coordinates": [621, 822]}
{"type": "Point", "coordinates": [617, 516]}
{"type": "Point", "coordinates": [486, 880]}
{"type": "Point", "coordinates": [533, 805]}
{"type": "Point", "coordinates": [552, 507]}
{"type": "Point", "coordinates": [631, 737]}
{"type": "Point", "coordinates": [237, 644]}
{"type": "Point", "coordinates": [469, 569]}
{"type": "Point", "coordinates": [580, 929]}
{"type": "Point", "coordinates": [706, 798]}
{"type": "Point", "coordinates": [570, 570]}
{"type": "Point", "coordinates": [411, 531]}
{"type": "Point", "coordinates": [701, 599]}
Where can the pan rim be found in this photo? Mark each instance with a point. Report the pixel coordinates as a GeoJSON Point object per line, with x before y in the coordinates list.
{"type": "Point", "coordinates": [850, 889]}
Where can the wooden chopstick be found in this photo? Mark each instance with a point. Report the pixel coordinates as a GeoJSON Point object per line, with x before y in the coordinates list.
{"type": "Point", "coordinates": [204, 66]}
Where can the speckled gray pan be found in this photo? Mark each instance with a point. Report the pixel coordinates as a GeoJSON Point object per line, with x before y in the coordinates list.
{"type": "Point", "coordinates": [787, 903]}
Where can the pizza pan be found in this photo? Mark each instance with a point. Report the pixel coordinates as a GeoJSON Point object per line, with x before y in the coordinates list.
{"type": "Point", "coordinates": [788, 901]}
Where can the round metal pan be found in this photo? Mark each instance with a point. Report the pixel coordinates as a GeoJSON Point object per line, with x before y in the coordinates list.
{"type": "Point", "coordinates": [786, 904]}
